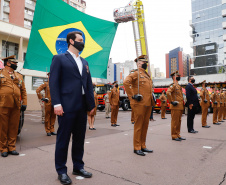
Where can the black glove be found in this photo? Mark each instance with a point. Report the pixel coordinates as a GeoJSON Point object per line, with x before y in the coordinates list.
{"type": "Point", "coordinates": [23, 107]}
{"type": "Point", "coordinates": [45, 100]}
{"type": "Point", "coordinates": [215, 103]}
{"type": "Point", "coordinates": [205, 101]}
{"type": "Point", "coordinates": [137, 97]}
{"type": "Point", "coordinates": [174, 103]}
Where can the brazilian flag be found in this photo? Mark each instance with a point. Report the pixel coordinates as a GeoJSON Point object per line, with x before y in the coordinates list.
{"type": "Point", "coordinates": [53, 20]}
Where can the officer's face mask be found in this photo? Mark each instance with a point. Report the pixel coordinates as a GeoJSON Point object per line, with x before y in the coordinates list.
{"type": "Point", "coordinates": [192, 80]}
{"type": "Point", "coordinates": [78, 45]}
{"type": "Point", "coordinates": [13, 66]}
{"type": "Point", "coordinates": [144, 66]}
{"type": "Point", "coordinates": [178, 78]}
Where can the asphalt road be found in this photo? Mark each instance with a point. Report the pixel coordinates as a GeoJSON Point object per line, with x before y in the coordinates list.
{"type": "Point", "coordinates": [200, 160]}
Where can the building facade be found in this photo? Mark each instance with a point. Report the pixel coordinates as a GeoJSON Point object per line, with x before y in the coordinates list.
{"type": "Point", "coordinates": [176, 59]}
{"type": "Point", "coordinates": [16, 17]}
{"type": "Point", "coordinates": [209, 34]}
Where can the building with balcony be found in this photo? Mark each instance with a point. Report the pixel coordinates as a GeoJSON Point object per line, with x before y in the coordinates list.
{"type": "Point", "coordinates": [176, 59]}
{"type": "Point", "coordinates": [209, 34]}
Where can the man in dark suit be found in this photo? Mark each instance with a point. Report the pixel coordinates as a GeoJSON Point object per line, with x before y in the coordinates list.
{"type": "Point", "coordinates": [192, 104]}
{"type": "Point", "coordinates": [72, 96]}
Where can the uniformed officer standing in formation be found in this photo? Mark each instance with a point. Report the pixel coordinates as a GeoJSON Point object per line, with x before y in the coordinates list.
{"type": "Point", "coordinates": [175, 97]}
{"type": "Point", "coordinates": [141, 102]}
{"type": "Point", "coordinates": [215, 98]}
{"type": "Point", "coordinates": [50, 117]}
{"type": "Point", "coordinates": [13, 98]}
{"type": "Point", "coordinates": [114, 102]}
{"type": "Point", "coordinates": [107, 105]}
{"type": "Point", "coordinates": [42, 107]}
{"type": "Point", "coordinates": [224, 112]}
{"type": "Point", "coordinates": [221, 108]}
{"type": "Point", "coordinates": [205, 103]}
{"type": "Point", "coordinates": [163, 100]}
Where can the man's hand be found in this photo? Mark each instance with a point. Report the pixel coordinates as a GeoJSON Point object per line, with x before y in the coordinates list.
{"type": "Point", "coordinates": [58, 110]}
{"type": "Point", "coordinates": [174, 103]}
{"type": "Point", "coordinates": [190, 106]}
{"type": "Point", "coordinates": [23, 107]}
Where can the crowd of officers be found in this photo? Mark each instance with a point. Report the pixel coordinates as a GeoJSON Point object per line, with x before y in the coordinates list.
{"type": "Point", "coordinates": [13, 100]}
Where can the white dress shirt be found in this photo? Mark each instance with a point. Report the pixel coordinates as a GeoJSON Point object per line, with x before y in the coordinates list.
{"type": "Point", "coordinates": [80, 68]}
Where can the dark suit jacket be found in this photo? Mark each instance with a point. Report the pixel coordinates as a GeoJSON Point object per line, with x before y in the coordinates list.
{"type": "Point", "coordinates": [66, 83]}
{"type": "Point", "coordinates": [191, 95]}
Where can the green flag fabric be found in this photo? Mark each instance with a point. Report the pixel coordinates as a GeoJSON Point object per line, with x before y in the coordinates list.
{"type": "Point", "coordinates": [53, 20]}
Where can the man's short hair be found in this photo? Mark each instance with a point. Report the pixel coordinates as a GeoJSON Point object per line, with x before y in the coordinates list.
{"type": "Point", "coordinates": [72, 35]}
{"type": "Point", "coordinates": [189, 77]}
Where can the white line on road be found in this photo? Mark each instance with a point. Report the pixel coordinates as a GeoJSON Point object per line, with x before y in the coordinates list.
{"type": "Point", "coordinates": [21, 155]}
{"type": "Point", "coordinates": [207, 147]}
{"type": "Point", "coordinates": [126, 134]}
{"type": "Point", "coordinates": [79, 177]}
{"type": "Point", "coordinates": [87, 142]}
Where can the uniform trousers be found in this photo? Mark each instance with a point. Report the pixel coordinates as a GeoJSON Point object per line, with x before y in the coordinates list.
{"type": "Point", "coordinates": [50, 118]}
{"type": "Point", "coordinates": [204, 115]}
{"type": "Point", "coordinates": [215, 114]}
{"type": "Point", "coordinates": [9, 123]}
{"type": "Point", "coordinates": [220, 113]}
{"type": "Point", "coordinates": [71, 123]}
{"type": "Point", "coordinates": [163, 111]}
{"type": "Point", "coordinates": [175, 123]}
{"type": "Point", "coordinates": [141, 117]}
{"type": "Point", "coordinates": [114, 114]}
{"type": "Point", "coordinates": [107, 109]}
{"type": "Point", "coordinates": [224, 113]}
{"type": "Point", "coordinates": [132, 116]}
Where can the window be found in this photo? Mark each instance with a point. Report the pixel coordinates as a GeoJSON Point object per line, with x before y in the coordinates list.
{"type": "Point", "coordinates": [9, 48]}
{"type": "Point", "coordinates": [37, 81]}
{"type": "Point", "coordinates": [29, 12]}
{"type": "Point", "coordinates": [27, 23]}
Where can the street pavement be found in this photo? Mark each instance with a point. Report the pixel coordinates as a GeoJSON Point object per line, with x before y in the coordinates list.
{"type": "Point", "coordinates": [200, 160]}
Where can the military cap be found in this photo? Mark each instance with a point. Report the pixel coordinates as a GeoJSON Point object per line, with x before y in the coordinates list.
{"type": "Point", "coordinates": [115, 82]}
{"type": "Point", "coordinates": [176, 72]}
{"type": "Point", "coordinates": [143, 58]}
{"type": "Point", "coordinates": [11, 58]}
{"type": "Point", "coordinates": [204, 81]}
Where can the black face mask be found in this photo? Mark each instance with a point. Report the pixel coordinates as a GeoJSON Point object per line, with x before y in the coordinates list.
{"type": "Point", "coordinates": [78, 45]}
{"type": "Point", "coordinates": [116, 86]}
{"type": "Point", "coordinates": [192, 80]}
{"type": "Point", "coordinates": [13, 66]}
{"type": "Point", "coordinates": [178, 78]}
{"type": "Point", "coordinates": [144, 66]}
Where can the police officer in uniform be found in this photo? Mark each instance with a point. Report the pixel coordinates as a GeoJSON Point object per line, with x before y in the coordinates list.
{"type": "Point", "coordinates": [221, 108]}
{"type": "Point", "coordinates": [114, 102]}
{"type": "Point", "coordinates": [141, 102]}
{"type": "Point", "coordinates": [50, 117]}
{"type": "Point", "coordinates": [13, 98]}
{"type": "Point", "coordinates": [224, 112]}
{"type": "Point", "coordinates": [205, 103]}
{"type": "Point", "coordinates": [107, 105]}
{"type": "Point", "coordinates": [215, 98]}
{"type": "Point", "coordinates": [175, 97]}
{"type": "Point", "coordinates": [163, 100]}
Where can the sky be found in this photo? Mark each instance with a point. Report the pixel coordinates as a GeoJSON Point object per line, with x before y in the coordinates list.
{"type": "Point", "coordinates": [167, 27]}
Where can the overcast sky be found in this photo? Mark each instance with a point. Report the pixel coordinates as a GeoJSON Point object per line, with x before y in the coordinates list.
{"type": "Point", "coordinates": [167, 27]}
